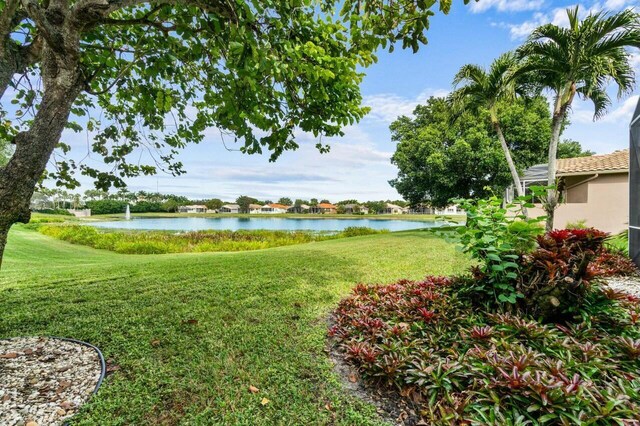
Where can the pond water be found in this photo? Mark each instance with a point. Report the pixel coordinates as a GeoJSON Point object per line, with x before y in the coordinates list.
{"type": "Point", "coordinates": [272, 223]}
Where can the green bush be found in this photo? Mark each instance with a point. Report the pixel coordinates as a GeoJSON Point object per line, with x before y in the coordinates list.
{"type": "Point", "coordinates": [357, 231]}
{"type": "Point", "coordinates": [61, 212]}
{"type": "Point", "coordinates": [496, 236]}
{"type": "Point", "coordinates": [107, 206]}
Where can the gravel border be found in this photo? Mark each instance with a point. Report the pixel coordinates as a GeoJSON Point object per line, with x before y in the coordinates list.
{"type": "Point", "coordinates": [629, 285]}
{"type": "Point", "coordinates": [45, 380]}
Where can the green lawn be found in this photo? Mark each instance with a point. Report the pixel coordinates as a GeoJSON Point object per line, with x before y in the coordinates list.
{"type": "Point", "coordinates": [261, 321]}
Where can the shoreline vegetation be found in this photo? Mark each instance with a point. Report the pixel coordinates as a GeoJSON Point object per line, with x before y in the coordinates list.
{"type": "Point", "coordinates": [163, 242]}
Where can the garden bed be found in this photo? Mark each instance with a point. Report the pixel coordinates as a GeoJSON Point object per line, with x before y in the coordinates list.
{"type": "Point", "coordinates": [530, 335]}
{"type": "Point", "coordinates": [445, 361]}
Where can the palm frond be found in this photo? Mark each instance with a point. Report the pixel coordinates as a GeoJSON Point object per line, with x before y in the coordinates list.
{"type": "Point", "coordinates": [599, 97]}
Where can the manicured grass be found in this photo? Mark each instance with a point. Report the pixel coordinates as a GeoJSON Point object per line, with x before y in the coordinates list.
{"type": "Point", "coordinates": [261, 321]}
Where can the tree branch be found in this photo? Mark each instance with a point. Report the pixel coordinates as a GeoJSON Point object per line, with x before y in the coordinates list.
{"type": "Point", "coordinates": [6, 20]}
{"type": "Point", "coordinates": [54, 38]}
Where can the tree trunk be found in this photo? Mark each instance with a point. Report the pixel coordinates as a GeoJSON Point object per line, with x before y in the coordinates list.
{"type": "Point", "coordinates": [34, 147]}
{"type": "Point", "coordinates": [507, 154]}
{"type": "Point", "coordinates": [3, 242]}
{"type": "Point", "coordinates": [552, 193]}
{"type": "Point", "coordinates": [563, 102]}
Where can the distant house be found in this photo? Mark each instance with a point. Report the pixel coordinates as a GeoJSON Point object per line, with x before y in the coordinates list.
{"type": "Point", "coordinates": [394, 209]}
{"type": "Point", "coordinates": [421, 209]}
{"type": "Point", "coordinates": [355, 209]}
{"type": "Point", "coordinates": [230, 208]}
{"type": "Point", "coordinates": [194, 208]}
{"type": "Point", "coordinates": [452, 209]}
{"type": "Point", "coordinates": [254, 208]}
{"type": "Point", "coordinates": [80, 212]}
{"type": "Point", "coordinates": [324, 208]}
{"type": "Point", "coordinates": [274, 208]}
{"type": "Point", "coordinates": [302, 208]}
{"type": "Point", "coordinates": [594, 189]}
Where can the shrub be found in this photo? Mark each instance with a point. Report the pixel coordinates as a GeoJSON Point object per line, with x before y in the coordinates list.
{"type": "Point", "coordinates": [610, 262]}
{"type": "Point", "coordinates": [357, 231]}
{"type": "Point", "coordinates": [496, 236]}
{"type": "Point", "coordinates": [556, 276]}
{"type": "Point", "coordinates": [456, 364]}
{"type": "Point", "coordinates": [107, 206]}
{"type": "Point", "coordinates": [62, 212]}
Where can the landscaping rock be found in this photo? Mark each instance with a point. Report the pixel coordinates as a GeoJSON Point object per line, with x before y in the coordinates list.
{"type": "Point", "coordinates": [629, 285]}
{"type": "Point", "coordinates": [46, 381]}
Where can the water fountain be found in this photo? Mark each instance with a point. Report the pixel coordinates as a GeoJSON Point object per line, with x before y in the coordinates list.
{"type": "Point", "coordinates": [127, 214]}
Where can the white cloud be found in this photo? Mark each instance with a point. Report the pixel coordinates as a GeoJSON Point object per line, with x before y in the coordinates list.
{"type": "Point", "coordinates": [506, 5]}
{"type": "Point", "coordinates": [558, 16]}
{"type": "Point", "coordinates": [583, 112]}
{"type": "Point", "coordinates": [619, 4]}
{"type": "Point", "coordinates": [388, 107]}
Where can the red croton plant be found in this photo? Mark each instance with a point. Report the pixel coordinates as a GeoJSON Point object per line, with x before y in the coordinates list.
{"type": "Point", "coordinates": [458, 361]}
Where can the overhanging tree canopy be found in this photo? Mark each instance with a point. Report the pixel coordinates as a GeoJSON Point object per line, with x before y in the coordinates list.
{"type": "Point", "coordinates": [161, 72]}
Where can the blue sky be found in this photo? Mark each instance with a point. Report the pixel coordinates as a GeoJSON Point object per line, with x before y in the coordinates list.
{"type": "Point", "coordinates": [358, 165]}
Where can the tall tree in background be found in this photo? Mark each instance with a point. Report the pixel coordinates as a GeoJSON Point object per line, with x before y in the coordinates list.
{"type": "Point", "coordinates": [159, 73]}
{"type": "Point", "coordinates": [244, 202]}
{"type": "Point", "coordinates": [480, 88]}
{"type": "Point", "coordinates": [440, 158]}
{"type": "Point", "coordinates": [571, 149]}
{"type": "Point", "coordinates": [580, 60]}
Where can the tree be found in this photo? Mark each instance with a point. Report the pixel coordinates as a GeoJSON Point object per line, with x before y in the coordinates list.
{"type": "Point", "coordinates": [325, 201]}
{"type": "Point", "coordinates": [480, 88]}
{"type": "Point", "coordinates": [243, 201]}
{"type": "Point", "coordinates": [170, 205]}
{"type": "Point", "coordinates": [285, 201]}
{"type": "Point", "coordinates": [580, 60]}
{"type": "Point", "coordinates": [213, 204]}
{"type": "Point", "coordinates": [572, 149]}
{"type": "Point", "coordinates": [313, 202]}
{"type": "Point", "coordinates": [163, 71]}
{"type": "Point", "coordinates": [440, 158]}
{"type": "Point", "coordinates": [297, 205]}
{"type": "Point", "coordinates": [375, 206]}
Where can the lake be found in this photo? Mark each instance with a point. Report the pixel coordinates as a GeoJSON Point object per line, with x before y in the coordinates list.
{"type": "Point", "coordinates": [272, 223]}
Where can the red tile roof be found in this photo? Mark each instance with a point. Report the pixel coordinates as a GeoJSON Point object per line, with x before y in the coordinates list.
{"type": "Point", "coordinates": [617, 161]}
{"type": "Point", "coordinates": [278, 206]}
{"type": "Point", "coordinates": [326, 206]}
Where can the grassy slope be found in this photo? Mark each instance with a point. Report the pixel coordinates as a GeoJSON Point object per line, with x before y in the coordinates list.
{"type": "Point", "coordinates": [261, 321]}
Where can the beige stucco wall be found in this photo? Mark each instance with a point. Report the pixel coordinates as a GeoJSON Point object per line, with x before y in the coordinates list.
{"type": "Point", "coordinates": [606, 206]}
{"type": "Point", "coordinates": [577, 189]}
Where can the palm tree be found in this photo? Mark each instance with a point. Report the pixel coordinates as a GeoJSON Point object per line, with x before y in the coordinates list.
{"type": "Point", "coordinates": [480, 88]}
{"type": "Point", "coordinates": [580, 60]}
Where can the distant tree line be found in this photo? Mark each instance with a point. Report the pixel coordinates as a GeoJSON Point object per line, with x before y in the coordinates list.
{"type": "Point", "coordinates": [103, 202]}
